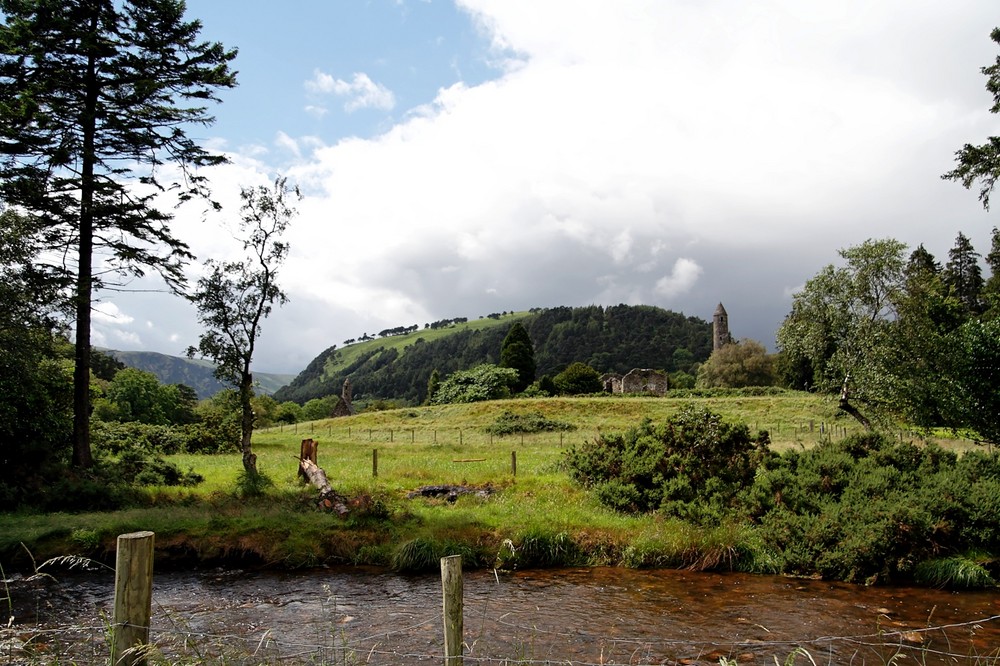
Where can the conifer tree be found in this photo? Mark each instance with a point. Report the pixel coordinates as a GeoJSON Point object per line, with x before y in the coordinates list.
{"type": "Point", "coordinates": [981, 164]}
{"type": "Point", "coordinates": [991, 291]}
{"type": "Point", "coordinates": [963, 275]}
{"type": "Point", "coordinates": [95, 97]}
{"type": "Point", "coordinates": [517, 352]}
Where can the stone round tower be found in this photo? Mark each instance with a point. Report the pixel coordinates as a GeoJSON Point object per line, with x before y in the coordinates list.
{"type": "Point", "coordinates": [720, 328]}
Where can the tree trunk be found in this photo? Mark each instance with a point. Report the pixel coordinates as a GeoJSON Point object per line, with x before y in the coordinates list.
{"type": "Point", "coordinates": [246, 424]}
{"type": "Point", "coordinates": [846, 406]}
{"type": "Point", "coordinates": [309, 451]}
{"type": "Point", "coordinates": [84, 280]}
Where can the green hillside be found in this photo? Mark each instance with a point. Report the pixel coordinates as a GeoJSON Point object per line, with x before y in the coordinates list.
{"type": "Point", "coordinates": [609, 339]}
{"type": "Point", "coordinates": [196, 373]}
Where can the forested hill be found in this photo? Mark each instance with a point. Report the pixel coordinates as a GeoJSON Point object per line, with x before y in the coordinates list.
{"type": "Point", "coordinates": [612, 339]}
{"type": "Point", "coordinates": [195, 373]}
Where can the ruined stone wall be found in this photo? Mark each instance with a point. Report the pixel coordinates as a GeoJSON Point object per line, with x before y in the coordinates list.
{"type": "Point", "coordinates": [645, 381]}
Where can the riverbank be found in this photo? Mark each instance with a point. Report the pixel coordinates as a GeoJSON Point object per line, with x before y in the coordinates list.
{"type": "Point", "coordinates": [530, 514]}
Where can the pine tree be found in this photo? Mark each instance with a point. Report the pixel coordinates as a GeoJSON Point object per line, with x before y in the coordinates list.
{"type": "Point", "coordinates": [517, 352]}
{"type": "Point", "coordinates": [95, 96]}
{"type": "Point", "coordinates": [991, 291]}
{"type": "Point", "coordinates": [963, 276]}
{"type": "Point", "coordinates": [432, 386]}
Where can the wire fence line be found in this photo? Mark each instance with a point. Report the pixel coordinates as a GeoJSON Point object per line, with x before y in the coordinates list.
{"type": "Point", "coordinates": [809, 432]}
{"type": "Point", "coordinates": [531, 644]}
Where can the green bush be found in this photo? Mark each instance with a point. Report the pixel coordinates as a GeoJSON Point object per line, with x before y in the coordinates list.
{"type": "Point", "coordinates": [869, 509]}
{"type": "Point", "coordinates": [509, 423]}
{"type": "Point", "coordinates": [578, 379]}
{"type": "Point", "coordinates": [690, 467]}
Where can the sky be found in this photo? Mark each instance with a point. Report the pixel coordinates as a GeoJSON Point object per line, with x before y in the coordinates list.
{"type": "Point", "coordinates": [477, 156]}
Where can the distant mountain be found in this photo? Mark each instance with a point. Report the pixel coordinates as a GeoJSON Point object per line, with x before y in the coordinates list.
{"type": "Point", "coordinates": [195, 373]}
{"type": "Point", "coordinates": [398, 364]}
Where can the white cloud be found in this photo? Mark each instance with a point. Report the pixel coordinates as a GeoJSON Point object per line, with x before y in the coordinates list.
{"type": "Point", "coordinates": [669, 153]}
{"type": "Point", "coordinates": [361, 92]}
{"type": "Point", "coordinates": [108, 313]}
{"type": "Point", "coordinates": [681, 279]}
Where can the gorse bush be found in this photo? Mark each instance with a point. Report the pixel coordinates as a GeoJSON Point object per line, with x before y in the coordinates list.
{"type": "Point", "coordinates": [509, 423]}
{"type": "Point", "coordinates": [867, 509]}
{"type": "Point", "coordinates": [691, 467]}
{"type": "Point", "coordinates": [864, 509]}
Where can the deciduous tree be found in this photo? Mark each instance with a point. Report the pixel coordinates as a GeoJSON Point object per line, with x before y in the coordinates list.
{"type": "Point", "coordinates": [95, 97]}
{"type": "Point", "coordinates": [483, 382]}
{"type": "Point", "coordinates": [578, 378]}
{"type": "Point", "coordinates": [235, 297]}
{"type": "Point", "coordinates": [842, 320]}
{"type": "Point", "coordinates": [738, 364]}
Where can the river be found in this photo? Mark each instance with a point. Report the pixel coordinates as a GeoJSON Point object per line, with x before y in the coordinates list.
{"type": "Point", "coordinates": [565, 616]}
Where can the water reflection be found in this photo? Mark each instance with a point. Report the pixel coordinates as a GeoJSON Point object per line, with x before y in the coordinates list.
{"type": "Point", "coordinates": [578, 616]}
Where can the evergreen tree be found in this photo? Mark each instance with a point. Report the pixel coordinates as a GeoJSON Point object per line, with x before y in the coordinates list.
{"type": "Point", "coordinates": [963, 275]}
{"type": "Point", "coordinates": [518, 353]}
{"type": "Point", "coordinates": [991, 291]}
{"type": "Point", "coordinates": [95, 95]}
{"type": "Point", "coordinates": [432, 386]}
{"type": "Point", "coordinates": [922, 262]}
{"type": "Point", "coordinates": [982, 163]}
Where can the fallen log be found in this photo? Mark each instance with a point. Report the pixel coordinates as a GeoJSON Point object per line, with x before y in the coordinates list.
{"type": "Point", "coordinates": [329, 499]}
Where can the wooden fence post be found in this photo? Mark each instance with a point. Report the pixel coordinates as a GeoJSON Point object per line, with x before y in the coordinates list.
{"type": "Point", "coordinates": [375, 462]}
{"type": "Point", "coordinates": [513, 463]}
{"type": "Point", "coordinates": [451, 585]}
{"type": "Point", "coordinates": [133, 598]}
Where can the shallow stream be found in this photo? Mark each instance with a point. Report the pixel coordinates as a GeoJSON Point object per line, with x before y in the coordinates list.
{"type": "Point", "coordinates": [565, 616]}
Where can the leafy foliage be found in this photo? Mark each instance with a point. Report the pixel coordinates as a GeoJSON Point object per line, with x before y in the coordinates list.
{"type": "Point", "coordinates": [905, 340]}
{"type": "Point", "coordinates": [577, 379]}
{"type": "Point", "coordinates": [517, 352]}
{"type": "Point", "coordinates": [483, 382]}
{"type": "Point", "coordinates": [866, 509]}
{"type": "Point", "coordinates": [510, 423]}
{"type": "Point", "coordinates": [691, 467]}
{"type": "Point", "coordinates": [736, 365]}
{"type": "Point", "coordinates": [134, 395]}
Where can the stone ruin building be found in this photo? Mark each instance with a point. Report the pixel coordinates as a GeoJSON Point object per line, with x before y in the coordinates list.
{"type": "Point", "coordinates": [344, 406]}
{"type": "Point", "coordinates": [639, 380]}
{"type": "Point", "coordinates": [656, 382]}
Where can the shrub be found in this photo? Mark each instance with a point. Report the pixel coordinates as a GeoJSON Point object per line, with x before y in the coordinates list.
{"type": "Point", "coordinates": [509, 423]}
{"type": "Point", "coordinates": [691, 466]}
{"type": "Point", "coordinates": [578, 378]}
{"type": "Point", "coordinates": [483, 382]}
{"type": "Point", "coordinates": [868, 509]}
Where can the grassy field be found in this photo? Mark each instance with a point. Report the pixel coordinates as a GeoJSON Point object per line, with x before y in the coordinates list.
{"type": "Point", "coordinates": [348, 354]}
{"type": "Point", "coordinates": [534, 516]}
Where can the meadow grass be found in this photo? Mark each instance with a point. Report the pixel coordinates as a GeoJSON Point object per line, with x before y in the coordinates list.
{"type": "Point", "coordinates": [536, 508]}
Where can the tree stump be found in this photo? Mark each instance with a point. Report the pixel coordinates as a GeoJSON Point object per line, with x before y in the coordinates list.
{"type": "Point", "coordinates": [308, 452]}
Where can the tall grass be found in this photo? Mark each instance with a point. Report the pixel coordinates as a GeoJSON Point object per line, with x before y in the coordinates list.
{"type": "Point", "coordinates": [546, 518]}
